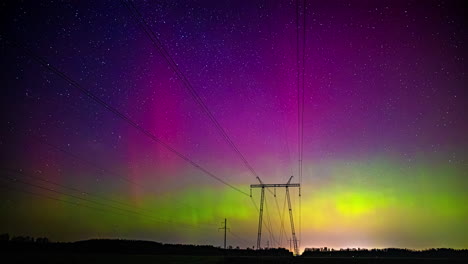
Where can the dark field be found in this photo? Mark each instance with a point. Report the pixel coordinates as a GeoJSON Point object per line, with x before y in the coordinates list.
{"type": "Point", "coordinates": [55, 258]}
{"type": "Point", "coordinates": [40, 250]}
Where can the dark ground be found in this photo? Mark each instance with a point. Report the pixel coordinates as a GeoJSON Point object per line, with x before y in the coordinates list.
{"type": "Point", "coordinates": [55, 258]}
{"type": "Point", "coordinates": [40, 250]}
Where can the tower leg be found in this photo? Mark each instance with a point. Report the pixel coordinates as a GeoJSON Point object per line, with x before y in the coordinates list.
{"type": "Point", "coordinates": [296, 249]}
{"type": "Point", "coordinates": [260, 219]}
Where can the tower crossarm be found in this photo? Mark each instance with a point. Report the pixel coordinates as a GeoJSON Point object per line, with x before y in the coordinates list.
{"type": "Point", "coordinates": [264, 186]}
{"type": "Point", "coordinates": [272, 185]}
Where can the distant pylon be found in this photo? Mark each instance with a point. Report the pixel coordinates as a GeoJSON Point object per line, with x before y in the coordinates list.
{"type": "Point", "coordinates": [225, 228]}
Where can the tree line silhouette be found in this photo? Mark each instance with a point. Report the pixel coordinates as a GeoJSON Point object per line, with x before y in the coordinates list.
{"type": "Point", "coordinates": [120, 246]}
{"type": "Point", "coordinates": [386, 253]}
{"type": "Point", "coordinates": [20, 244]}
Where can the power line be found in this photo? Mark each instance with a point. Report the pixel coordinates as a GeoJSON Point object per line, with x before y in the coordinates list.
{"type": "Point", "coordinates": [65, 187]}
{"type": "Point", "coordinates": [86, 199]}
{"type": "Point", "coordinates": [98, 209]}
{"type": "Point", "coordinates": [59, 200]}
{"type": "Point", "coordinates": [302, 115]}
{"type": "Point", "coordinates": [74, 189]}
{"type": "Point", "coordinates": [272, 236]}
{"type": "Point", "coordinates": [256, 208]}
{"type": "Point", "coordinates": [277, 209]}
{"type": "Point", "coordinates": [99, 168]}
{"type": "Point", "coordinates": [240, 239]}
{"type": "Point", "coordinates": [300, 90]}
{"type": "Point", "coordinates": [303, 87]}
{"type": "Point", "coordinates": [94, 165]}
{"type": "Point", "coordinates": [282, 230]}
{"type": "Point", "coordinates": [122, 116]}
{"type": "Point", "coordinates": [300, 101]}
{"type": "Point", "coordinates": [163, 52]}
{"type": "Point", "coordinates": [138, 17]}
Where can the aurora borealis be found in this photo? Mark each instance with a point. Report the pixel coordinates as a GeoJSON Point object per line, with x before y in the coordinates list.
{"type": "Point", "coordinates": [385, 126]}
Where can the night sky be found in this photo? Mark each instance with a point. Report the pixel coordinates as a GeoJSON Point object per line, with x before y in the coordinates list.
{"type": "Point", "coordinates": [385, 161]}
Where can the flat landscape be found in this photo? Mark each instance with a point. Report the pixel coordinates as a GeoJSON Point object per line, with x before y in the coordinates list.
{"type": "Point", "coordinates": [59, 258]}
{"type": "Point", "coordinates": [234, 131]}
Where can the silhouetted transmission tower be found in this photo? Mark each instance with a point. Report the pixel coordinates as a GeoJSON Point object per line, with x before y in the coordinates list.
{"type": "Point", "coordinates": [262, 200]}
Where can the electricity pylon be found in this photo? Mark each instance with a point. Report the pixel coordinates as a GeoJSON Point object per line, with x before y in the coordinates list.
{"type": "Point", "coordinates": [262, 200]}
{"type": "Point", "coordinates": [225, 228]}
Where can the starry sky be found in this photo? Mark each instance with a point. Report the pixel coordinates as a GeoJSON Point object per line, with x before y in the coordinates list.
{"type": "Point", "coordinates": [384, 124]}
